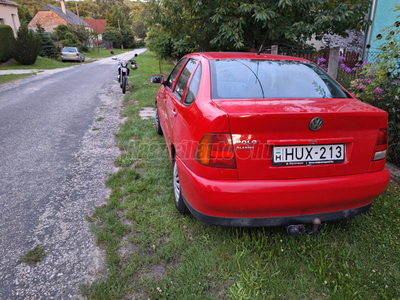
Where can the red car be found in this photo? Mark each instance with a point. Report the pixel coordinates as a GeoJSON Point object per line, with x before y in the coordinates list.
{"type": "Point", "coordinates": [264, 140]}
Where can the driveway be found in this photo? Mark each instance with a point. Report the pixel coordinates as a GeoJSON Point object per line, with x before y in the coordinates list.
{"type": "Point", "coordinates": [56, 149]}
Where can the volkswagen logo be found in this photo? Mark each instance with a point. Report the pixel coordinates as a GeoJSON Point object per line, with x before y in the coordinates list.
{"type": "Point", "coordinates": [315, 124]}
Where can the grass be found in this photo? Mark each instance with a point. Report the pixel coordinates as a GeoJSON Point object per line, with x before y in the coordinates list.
{"type": "Point", "coordinates": [34, 256]}
{"type": "Point", "coordinates": [153, 252]}
{"type": "Point", "coordinates": [12, 77]}
{"type": "Point", "coordinates": [41, 63]}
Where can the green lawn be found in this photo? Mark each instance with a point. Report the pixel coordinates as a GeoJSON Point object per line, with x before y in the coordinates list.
{"type": "Point", "coordinates": [41, 63]}
{"type": "Point", "coordinates": [153, 252]}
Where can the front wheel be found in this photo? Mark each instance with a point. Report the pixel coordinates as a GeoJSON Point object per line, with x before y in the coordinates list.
{"type": "Point", "coordinates": [179, 203]}
{"type": "Point", "coordinates": [123, 85]}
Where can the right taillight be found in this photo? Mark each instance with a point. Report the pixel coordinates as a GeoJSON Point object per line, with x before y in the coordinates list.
{"type": "Point", "coordinates": [216, 150]}
{"type": "Point", "coordinates": [62, 53]}
{"type": "Point", "coordinates": [381, 146]}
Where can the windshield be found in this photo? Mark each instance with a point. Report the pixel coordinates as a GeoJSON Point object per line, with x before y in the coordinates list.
{"type": "Point", "coordinates": [271, 79]}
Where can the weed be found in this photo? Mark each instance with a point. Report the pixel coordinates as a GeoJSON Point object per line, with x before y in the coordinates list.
{"type": "Point", "coordinates": [34, 256]}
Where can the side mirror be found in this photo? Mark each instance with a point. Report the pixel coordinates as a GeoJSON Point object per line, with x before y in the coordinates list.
{"type": "Point", "coordinates": [157, 79]}
{"type": "Point", "coordinates": [112, 52]}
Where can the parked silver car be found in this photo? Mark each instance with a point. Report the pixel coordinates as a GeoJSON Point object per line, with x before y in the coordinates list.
{"type": "Point", "coordinates": [72, 54]}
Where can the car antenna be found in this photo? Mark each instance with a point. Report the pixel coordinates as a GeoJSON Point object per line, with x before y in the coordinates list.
{"type": "Point", "coordinates": [262, 45]}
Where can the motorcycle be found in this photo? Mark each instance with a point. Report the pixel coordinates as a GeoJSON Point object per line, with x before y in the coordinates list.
{"type": "Point", "coordinates": [123, 70]}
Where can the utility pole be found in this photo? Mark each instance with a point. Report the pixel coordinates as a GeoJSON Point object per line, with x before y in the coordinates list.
{"type": "Point", "coordinates": [77, 13]}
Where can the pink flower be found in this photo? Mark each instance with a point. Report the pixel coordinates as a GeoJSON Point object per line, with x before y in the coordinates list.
{"type": "Point", "coordinates": [353, 95]}
{"type": "Point", "coordinates": [321, 60]}
{"type": "Point", "coordinates": [361, 87]}
{"type": "Point", "coordinates": [366, 80]}
{"type": "Point", "coordinates": [343, 66]}
{"type": "Point", "coordinates": [341, 58]}
{"type": "Point", "coordinates": [354, 85]}
{"type": "Point", "coordinates": [358, 80]}
{"type": "Point", "coordinates": [377, 91]}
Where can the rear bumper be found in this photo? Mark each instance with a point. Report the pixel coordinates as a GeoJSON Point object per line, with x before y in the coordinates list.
{"type": "Point", "coordinates": [279, 202]}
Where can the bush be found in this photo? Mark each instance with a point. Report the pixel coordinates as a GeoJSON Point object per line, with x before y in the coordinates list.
{"type": "Point", "coordinates": [48, 49]}
{"type": "Point", "coordinates": [71, 40]}
{"type": "Point", "coordinates": [376, 85]}
{"type": "Point", "coordinates": [7, 43]}
{"type": "Point", "coordinates": [27, 46]}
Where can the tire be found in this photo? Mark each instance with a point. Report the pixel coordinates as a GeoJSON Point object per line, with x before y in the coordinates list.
{"type": "Point", "coordinates": [123, 85]}
{"type": "Point", "coordinates": [179, 202]}
{"type": "Point", "coordinates": [158, 125]}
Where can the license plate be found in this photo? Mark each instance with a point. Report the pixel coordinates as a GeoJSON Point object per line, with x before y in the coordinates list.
{"type": "Point", "coordinates": [308, 155]}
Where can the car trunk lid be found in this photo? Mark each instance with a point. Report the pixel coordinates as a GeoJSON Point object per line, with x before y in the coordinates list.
{"type": "Point", "coordinates": [264, 129]}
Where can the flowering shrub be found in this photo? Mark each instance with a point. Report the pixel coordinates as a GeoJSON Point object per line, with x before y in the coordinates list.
{"type": "Point", "coordinates": [376, 83]}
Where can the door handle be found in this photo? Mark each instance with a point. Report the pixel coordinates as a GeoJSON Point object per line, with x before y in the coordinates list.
{"type": "Point", "coordinates": [174, 113]}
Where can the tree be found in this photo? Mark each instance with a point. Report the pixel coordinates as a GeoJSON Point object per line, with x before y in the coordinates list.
{"type": "Point", "coordinates": [27, 46]}
{"type": "Point", "coordinates": [24, 15]}
{"type": "Point", "coordinates": [48, 49]}
{"type": "Point", "coordinates": [205, 25]}
{"type": "Point", "coordinates": [113, 35]}
{"type": "Point", "coordinates": [71, 40]}
{"type": "Point", "coordinates": [61, 31]}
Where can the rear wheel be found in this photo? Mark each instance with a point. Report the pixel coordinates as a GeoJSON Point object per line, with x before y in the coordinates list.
{"type": "Point", "coordinates": [158, 126]}
{"type": "Point", "coordinates": [179, 203]}
{"type": "Point", "coordinates": [123, 86]}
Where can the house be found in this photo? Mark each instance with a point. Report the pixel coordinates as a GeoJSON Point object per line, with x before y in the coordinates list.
{"type": "Point", "coordinates": [51, 16]}
{"type": "Point", "coordinates": [9, 15]}
{"type": "Point", "coordinates": [381, 15]}
{"type": "Point", "coordinates": [97, 25]}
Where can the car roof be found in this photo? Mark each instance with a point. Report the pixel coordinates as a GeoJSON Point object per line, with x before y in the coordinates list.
{"type": "Point", "coordinates": [244, 55]}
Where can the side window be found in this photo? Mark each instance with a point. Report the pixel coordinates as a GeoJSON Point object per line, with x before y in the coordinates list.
{"type": "Point", "coordinates": [174, 73]}
{"type": "Point", "coordinates": [184, 77]}
{"type": "Point", "coordinates": [193, 87]}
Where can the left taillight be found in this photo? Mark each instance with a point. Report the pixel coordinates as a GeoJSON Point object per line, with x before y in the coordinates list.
{"type": "Point", "coordinates": [216, 150]}
{"type": "Point", "coordinates": [77, 54]}
{"type": "Point", "coordinates": [62, 53]}
{"type": "Point", "coordinates": [381, 146]}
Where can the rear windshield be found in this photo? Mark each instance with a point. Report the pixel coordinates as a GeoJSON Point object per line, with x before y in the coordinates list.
{"type": "Point", "coordinates": [69, 50]}
{"type": "Point", "coordinates": [275, 79]}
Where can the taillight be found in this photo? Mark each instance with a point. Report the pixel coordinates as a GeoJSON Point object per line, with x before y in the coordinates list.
{"type": "Point", "coordinates": [216, 150]}
{"type": "Point", "coordinates": [62, 53]}
{"type": "Point", "coordinates": [381, 145]}
{"type": "Point", "coordinates": [77, 54]}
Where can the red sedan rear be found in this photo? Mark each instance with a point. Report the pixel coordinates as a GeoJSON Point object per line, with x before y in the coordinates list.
{"type": "Point", "coordinates": [268, 140]}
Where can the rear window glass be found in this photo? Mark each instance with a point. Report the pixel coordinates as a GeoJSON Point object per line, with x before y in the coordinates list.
{"type": "Point", "coordinates": [271, 79]}
{"type": "Point", "coordinates": [69, 50]}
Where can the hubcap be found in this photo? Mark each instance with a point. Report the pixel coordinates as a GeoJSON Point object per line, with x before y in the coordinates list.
{"type": "Point", "coordinates": [177, 186]}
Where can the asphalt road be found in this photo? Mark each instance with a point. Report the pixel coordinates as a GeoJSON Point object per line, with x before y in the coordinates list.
{"type": "Point", "coordinates": [55, 154]}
